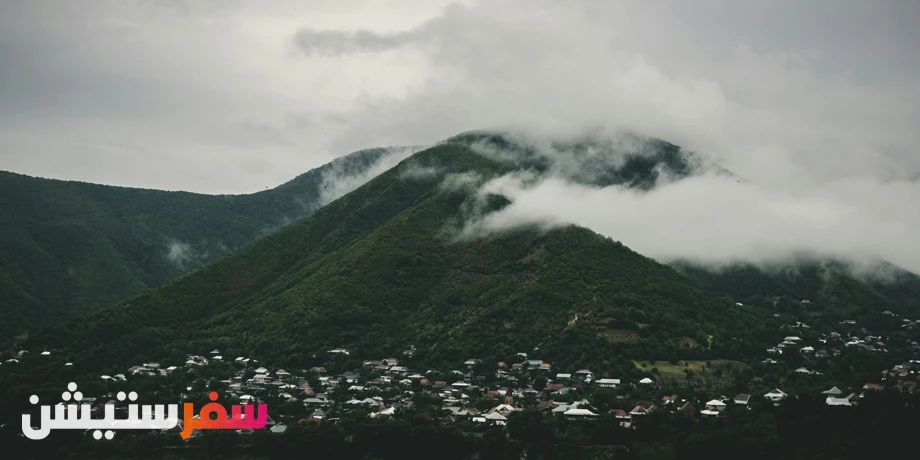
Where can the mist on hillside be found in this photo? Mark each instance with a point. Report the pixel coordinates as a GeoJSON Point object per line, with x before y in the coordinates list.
{"type": "Point", "coordinates": [711, 217]}
{"type": "Point", "coordinates": [824, 161]}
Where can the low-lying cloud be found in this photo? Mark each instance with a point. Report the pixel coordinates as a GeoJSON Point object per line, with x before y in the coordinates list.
{"type": "Point", "coordinates": [718, 219]}
{"type": "Point", "coordinates": [339, 181]}
{"type": "Point", "coordinates": [817, 112]}
{"type": "Point", "coordinates": [182, 255]}
{"type": "Point", "coordinates": [823, 155]}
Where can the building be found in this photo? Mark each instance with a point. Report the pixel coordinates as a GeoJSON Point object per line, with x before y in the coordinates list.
{"type": "Point", "coordinates": [776, 395]}
{"type": "Point", "coordinates": [608, 383]}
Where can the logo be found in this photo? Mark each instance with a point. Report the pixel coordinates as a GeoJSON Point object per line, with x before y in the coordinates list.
{"type": "Point", "coordinates": [74, 416]}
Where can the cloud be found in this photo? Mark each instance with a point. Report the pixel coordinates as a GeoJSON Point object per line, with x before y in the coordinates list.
{"type": "Point", "coordinates": [182, 255]}
{"type": "Point", "coordinates": [817, 112]}
{"type": "Point", "coordinates": [338, 181]}
{"type": "Point", "coordinates": [824, 153]}
{"type": "Point", "coordinates": [717, 219]}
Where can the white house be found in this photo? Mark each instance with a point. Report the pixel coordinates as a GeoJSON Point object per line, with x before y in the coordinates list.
{"type": "Point", "coordinates": [579, 413]}
{"type": "Point", "coordinates": [713, 408]}
{"type": "Point", "coordinates": [776, 395]}
{"type": "Point", "coordinates": [646, 381]}
{"type": "Point", "coordinates": [496, 418]}
{"type": "Point", "coordinates": [832, 401]}
{"type": "Point", "coordinates": [608, 383]}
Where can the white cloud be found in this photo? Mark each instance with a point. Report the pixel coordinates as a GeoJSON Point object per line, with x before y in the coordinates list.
{"type": "Point", "coordinates": [818, 112]}
{"type": "Point", "coordinates": [717, 219]}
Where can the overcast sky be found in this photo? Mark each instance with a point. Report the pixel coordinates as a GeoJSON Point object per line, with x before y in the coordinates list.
{"type": "Point", "coordinates": [806, 99]}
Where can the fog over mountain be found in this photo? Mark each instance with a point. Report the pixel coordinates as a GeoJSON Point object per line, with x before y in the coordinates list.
{"type": "Point", "coordinates": [816, 113]}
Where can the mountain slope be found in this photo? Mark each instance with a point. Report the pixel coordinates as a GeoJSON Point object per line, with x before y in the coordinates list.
{"type": "Point", "coordinates": [379, 269]}
{"type": "Point", "coordinates": [829, 288]}
{"type": "Point", "coordinates": [71, 247]}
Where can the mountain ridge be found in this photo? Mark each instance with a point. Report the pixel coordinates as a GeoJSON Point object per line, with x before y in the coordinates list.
{"type": "Point", "coordinates": [73, 247]}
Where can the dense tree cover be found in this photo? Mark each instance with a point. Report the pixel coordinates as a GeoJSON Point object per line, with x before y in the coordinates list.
{"type": "Point", "coordinates": [385, 267]}
{"type": "Point", "coordinates": [832, 292]}
{"type": "Point", "coordinates": [381, 269]}
{"type": "Point", "coordinates": [70, 248]}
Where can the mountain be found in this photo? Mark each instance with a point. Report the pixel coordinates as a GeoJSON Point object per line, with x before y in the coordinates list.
{"type": "Point", "coordinates": [381, 269]}
{"type": "Point", "coordinates": [70, 248]}
{"type": "Point", "coordinates": [823, 290]}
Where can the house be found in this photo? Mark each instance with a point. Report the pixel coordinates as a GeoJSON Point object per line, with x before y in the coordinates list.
{"type": "Point", "coordinates": [638, 410]}
{"type": "Point", "coordinates": [503, 409]}
{"type": "Point", "coordinates": [494, 418]}
{"type": "Point", "coordinates": [713, 408]}
{"type": "Point", "coordinates": [261, 370]}
{"type": "Point", "coordinates": [584, 374]}
{"type": "Point", "coordinates": [546, 405]}
{"type": "Point", "coordinates": [776, 395]}
{"type": "Point", "coordinates": [563, 376]}
{"type": "Point", "coordinates": [579, 413]}
{"type": "Point", "coordinates": [608, 383]}
{"type": "Point", "coordinates": [281, 373]}
{"type": "Point", "coordinates": [339, 351]}
{"type": "Point", "coordinates": [742, 399]}
{"type": "Point", "coordinates": [646, 381]}
{"type": "Point", "coordinates": [319, 400]}
{"type": "Point", "coordinates": [832, 392]}
{"type": "Point", "coordinates": [832, 401]}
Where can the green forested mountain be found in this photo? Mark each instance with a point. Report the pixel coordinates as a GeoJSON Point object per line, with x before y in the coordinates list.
{"type": "Point", "coordinates": [387, 266]}
{"type": "Point", "coordinates": [70, 248]}
{"type": "Point", "coordinates": [825, 290]}
{"type": "Point", "coordinates": [381, 268]}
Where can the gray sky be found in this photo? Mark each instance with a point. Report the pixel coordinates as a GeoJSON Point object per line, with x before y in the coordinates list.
{"type": "Point", "coordinates": [806, 99]}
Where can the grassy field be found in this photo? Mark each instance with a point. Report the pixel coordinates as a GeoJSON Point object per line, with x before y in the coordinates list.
{"type": "Point", "coordinates": [666, 369]}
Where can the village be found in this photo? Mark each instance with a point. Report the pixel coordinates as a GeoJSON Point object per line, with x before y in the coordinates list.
{"type": "Point", "coordinates": [477, 395]}
{"type": "Point", "coordinates": [387, 389]}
